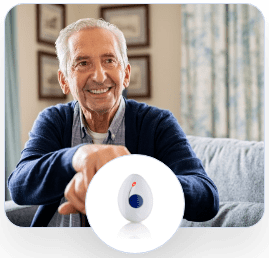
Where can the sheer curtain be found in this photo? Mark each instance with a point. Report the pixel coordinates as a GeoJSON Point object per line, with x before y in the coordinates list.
{"type": "Point", "coordinates": [12, 108]}
{"type": "Point", "coordinates": [222, 71]}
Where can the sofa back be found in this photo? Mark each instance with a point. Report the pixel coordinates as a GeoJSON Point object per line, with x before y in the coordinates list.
{"type": "Point", "coordinates": [236, 167]}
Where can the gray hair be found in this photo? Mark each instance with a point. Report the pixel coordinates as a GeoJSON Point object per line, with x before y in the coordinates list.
{"type": "Point", "coordinates": [62, 49]}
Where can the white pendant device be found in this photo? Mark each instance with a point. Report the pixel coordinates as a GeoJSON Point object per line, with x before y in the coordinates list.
{"type": "Point", "coordinates": [135, 198]}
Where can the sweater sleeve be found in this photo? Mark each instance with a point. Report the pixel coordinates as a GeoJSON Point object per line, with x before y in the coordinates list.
{"type": "Point", "coordinates": [173, 149]}
{"type": "Point", "coordinates": [45, 167]}
{"type": "Point", "coordinates": [167, 142]}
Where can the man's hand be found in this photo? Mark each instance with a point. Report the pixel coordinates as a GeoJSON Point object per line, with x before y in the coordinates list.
{"type": "Point", "coordinates": [87, 160]}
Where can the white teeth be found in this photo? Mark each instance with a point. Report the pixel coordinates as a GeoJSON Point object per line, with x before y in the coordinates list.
{"type": "Point", "coordinates": [99, 91]}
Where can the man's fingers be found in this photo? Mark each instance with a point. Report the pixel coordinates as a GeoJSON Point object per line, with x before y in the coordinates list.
{"type": "Point", "coordinates": [75, 193]}
{"type": "Point", "coordinates": [88, 174]}
{"type": "Point", "coordinates": [87, 161]}
{"type": "Point", "coordinates": [80, 189]}
{"type": "Point", "coordinates": [67, 208]}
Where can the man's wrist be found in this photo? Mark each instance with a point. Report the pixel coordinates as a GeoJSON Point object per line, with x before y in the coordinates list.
{"type": "Point", "coordinates": [78, 157]}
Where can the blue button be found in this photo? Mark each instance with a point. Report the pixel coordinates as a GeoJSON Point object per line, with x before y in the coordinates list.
{"type": "Point", "coordinates": [136, 201]}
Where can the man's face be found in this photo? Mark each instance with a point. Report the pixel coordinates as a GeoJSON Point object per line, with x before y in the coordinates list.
{"type": "Point", "coordinates": [96, 76]}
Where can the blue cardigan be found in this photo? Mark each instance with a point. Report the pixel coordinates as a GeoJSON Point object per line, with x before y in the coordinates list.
{"type": "Point", "coordinates": [45, 167]}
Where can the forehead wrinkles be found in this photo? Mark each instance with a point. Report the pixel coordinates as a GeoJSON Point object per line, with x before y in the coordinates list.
{"type": "Point", "coordinates": [93, 41]}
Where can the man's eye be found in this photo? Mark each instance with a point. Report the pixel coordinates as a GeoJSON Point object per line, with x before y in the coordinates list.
{"type": "Point", "coordinates": [110, 60]}
{"type": "Point", "coordinates": [83, 63]}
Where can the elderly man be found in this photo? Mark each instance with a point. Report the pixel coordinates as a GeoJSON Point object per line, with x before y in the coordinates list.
{"type": "Point", "coordinates": [70, 142]}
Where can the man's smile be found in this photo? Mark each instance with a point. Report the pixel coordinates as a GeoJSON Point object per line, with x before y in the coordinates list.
{"type": "Point", "coordinates": [99, 91]}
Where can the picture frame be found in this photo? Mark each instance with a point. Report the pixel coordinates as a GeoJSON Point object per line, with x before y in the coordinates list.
{"type": "Point", "coordinates": [51, 19]}
{"type": "Point", "coordinates": [132, 20]}
{"type": "Point", "coordinates": [140, 82]}
{"type": "Point", "coordinates": [48, 85]}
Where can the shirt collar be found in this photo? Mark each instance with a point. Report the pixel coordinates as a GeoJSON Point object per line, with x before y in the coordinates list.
{"type": "Point", "coordinates": [115, 124]}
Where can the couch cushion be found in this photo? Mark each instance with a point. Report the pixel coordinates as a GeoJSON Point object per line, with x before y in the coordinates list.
{"type": "Point", "coordinates": [236, 167]}
{"type": "Point", "coordinates": [20, 215]}
{"type": "Point", "coordinates": [232, 214]}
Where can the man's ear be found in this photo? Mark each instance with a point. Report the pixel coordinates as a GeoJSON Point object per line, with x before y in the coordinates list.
{"type": "Point", "coordinates": [63, 82]}
{"type": "Point", "coordinates": [127, 76]}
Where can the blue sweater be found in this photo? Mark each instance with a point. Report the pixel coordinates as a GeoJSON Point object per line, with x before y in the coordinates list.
{"type": "Point", "coordinates": [45, 167]}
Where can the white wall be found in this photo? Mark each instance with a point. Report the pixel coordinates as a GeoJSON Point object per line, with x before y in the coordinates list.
{"type": "Point", "coordinates": [164, 52]}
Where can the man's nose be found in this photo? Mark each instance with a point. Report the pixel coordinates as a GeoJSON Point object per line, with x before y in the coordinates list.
{"type": "Point", "coordinates": [99, 73]}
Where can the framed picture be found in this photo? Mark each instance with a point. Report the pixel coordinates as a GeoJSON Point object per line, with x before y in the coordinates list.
{"type": "Point", "coordinates": [132, 20]}
{"type": "Point", "coordinates": [139, 86]}
{"type": "Point", "coordinates": [48, 85]}
{"type": "Point", "coordinates": [50, 21]}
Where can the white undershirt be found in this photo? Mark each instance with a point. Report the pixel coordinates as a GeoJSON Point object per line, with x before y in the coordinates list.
{"type": "Point", "coordinates": [97, 138]}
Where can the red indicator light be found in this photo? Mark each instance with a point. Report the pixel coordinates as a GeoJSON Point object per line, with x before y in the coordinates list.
{"type": "Point", "coordinates": [133, 184]}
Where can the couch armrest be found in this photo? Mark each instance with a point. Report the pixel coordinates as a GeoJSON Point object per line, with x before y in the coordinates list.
{"type": "Point", "coordinates": [232, 214]}
{"type": "Point", "coordinates": [20, 215]}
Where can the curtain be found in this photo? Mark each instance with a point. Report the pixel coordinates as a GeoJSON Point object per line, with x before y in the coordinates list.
{"type": "Point", "coordinates": [12, 108]}
{"type": "Point", "coordinates": [222, 71]}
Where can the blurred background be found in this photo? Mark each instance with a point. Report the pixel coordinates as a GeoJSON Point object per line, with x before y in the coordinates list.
{"type": "Point", "coordinates": [206, 67]}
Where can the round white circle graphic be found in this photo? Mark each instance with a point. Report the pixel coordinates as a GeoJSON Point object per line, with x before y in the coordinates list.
{"type": "Point", "coordinates": [135, 203]}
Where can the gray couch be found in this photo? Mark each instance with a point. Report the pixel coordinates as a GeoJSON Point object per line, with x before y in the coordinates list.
{"type": "Point", "coordinates": [237, 169]}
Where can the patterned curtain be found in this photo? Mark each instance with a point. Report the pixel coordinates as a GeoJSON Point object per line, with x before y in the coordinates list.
{"type": "Point", "coordinates": [222, 73]}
